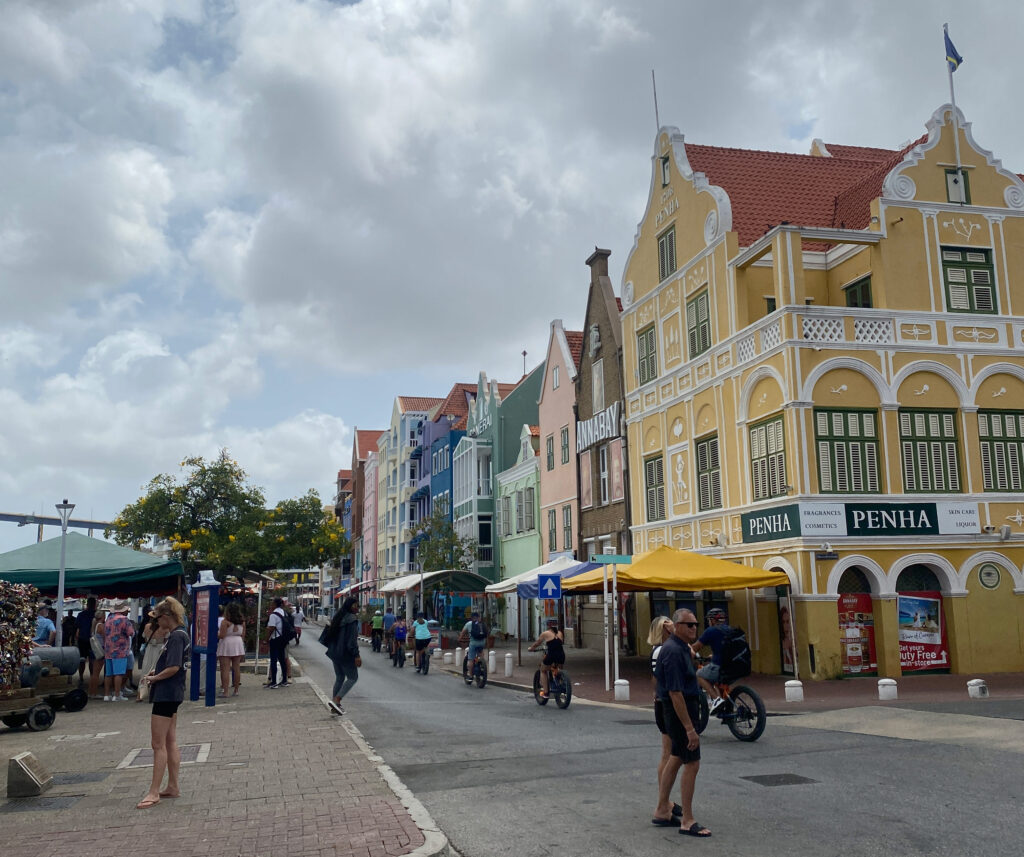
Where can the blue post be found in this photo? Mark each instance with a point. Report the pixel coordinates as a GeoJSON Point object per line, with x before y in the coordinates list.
{"type": "Point", "coordinates": [205, 604]}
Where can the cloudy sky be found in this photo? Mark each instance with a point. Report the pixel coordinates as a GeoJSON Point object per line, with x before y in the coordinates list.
{"type": "Point", "coordinates": [251, 224]}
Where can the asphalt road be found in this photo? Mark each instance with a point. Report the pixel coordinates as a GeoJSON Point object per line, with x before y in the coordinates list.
{"type": "Point", "coordinates": [502, 776]}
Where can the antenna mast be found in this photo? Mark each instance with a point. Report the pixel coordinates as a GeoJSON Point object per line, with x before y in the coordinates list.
{"type": "Point", "coordinates": [654, 86]}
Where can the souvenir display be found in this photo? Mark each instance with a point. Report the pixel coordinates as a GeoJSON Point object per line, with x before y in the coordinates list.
{"type": "Point", "coordinates": [17, 628]}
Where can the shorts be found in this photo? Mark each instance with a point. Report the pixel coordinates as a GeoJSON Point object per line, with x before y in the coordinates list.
{"type": "Point", "coordinates": [676, 732]}
{"type": "Point", "coordinates": [85, 650]}
{"type": "Point", "coordinates": [421, 645]}
{"type": "Point", "coordinates": [659, 716]}
{"type": "Point", "coordinates": [475, 648]}
{"type": "Point", "coordinates": [117, 666]}
{"type": "Point", "coordinates": [712, 672]}
{"type": "Point", "coordinates": [548, 662]}
{"type": "Point", "coordinates": [165, 709]}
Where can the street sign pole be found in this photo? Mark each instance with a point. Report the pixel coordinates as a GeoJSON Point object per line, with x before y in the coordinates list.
{"type": "Point", "coordinates": [616, 629]}
{"type": "Point", "coordinates": [604, 607]}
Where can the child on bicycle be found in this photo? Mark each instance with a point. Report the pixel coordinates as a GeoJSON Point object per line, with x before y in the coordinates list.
{"type": "Point", "coordinates": [400, 632]}
{"type": "Point", "coordinates": [553, 640]}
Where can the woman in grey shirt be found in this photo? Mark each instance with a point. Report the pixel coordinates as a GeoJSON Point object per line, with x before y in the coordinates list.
{"type": "Point", "coordinates": [166, 692]}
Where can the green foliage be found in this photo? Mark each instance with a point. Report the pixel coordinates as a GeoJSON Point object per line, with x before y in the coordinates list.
{"type": "Point", "coordinates": [214, 519]}
{"type": "Point", "coordinates": [441, 547]}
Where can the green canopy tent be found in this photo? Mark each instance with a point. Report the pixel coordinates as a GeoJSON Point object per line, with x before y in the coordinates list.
{"type": "Point", "coordinates": [92, 567]}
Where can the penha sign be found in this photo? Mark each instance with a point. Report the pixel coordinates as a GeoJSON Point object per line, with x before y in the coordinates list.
{"type": "Point", "coordinates": [825, 520]}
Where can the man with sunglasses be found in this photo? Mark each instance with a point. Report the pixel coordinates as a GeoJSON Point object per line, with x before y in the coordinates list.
{"type": "Point", "coordinates": [677, 683]}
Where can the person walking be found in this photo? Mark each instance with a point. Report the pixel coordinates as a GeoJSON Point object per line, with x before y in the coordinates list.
{"type": "Point", "coordinates": [677, 684]}
{"type": "Point", "coordinates": [84, 621]}
{"type": "Point", "coordinates": [231, 647]}
{"type": "Point", "coordinates": [421, 633]}
{"type": "Point", "coordinates": [343, 650]}
{"type": "Point", "coordinates": [277, 645]}
{"type": "Point", "coordinates": [661, 630]}
{"type": "Point", "coordinates": [298, 617]}
{"type": "Point", "coordinates": [166, 693]}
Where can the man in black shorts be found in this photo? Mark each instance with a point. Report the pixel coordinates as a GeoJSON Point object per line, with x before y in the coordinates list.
{"type": "Point", "coordinates": [677, 683]}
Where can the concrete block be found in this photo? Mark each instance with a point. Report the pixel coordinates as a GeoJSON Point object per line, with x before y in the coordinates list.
{"type": "Point", "coordinates": [509, 666]}
{"type": "Point", "coordinates": [794, 691]}
{"type": "Point", "coordinates": [886, 688]}
{"type": "Point", "coordinates": [977, 689]}
{"type": "Point", "coordinates": [26, 776]}
{"type": "Point", "coordinates": [448, 658]}
{"type": "Point", "coordinates": [621, 690]}
{"type": "Point", "coordinates": [492, 661]}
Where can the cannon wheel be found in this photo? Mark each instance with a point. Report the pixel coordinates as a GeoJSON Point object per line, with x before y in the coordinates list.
{"type": "Point", "coordinates": [75, 699]}
{"type": "Point", "coordinates": [40, 717]}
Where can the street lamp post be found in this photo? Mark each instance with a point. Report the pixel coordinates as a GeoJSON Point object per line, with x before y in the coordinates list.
{"type": "Point", "coordinates": [64, 510]}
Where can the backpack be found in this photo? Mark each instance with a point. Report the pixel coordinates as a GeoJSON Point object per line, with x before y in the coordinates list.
{"type": "Point", "coordinates": [735, 655]}
{"type": "Point", "coordinates": [287, 632]}
{"type": "Point", "coordinates": [478, 631]}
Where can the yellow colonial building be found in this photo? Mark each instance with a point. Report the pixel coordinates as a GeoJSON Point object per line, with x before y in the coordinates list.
{"type": "Point", "coordinates": [824, 364]}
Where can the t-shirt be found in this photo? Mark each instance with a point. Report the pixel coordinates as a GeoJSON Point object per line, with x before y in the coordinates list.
{"type": "Point", "coordinates": [467, 629]}
{"type": "Point", "coordinates": [389, 620]}
{"type": "Point", "coordinates": [421, 630]}
{"type": "Point", "coordinates": [117, 636]}
{"type": "Point", "coordinates": [715, 637]}
{"type": "Point", "coordinates": [275, 622]}
{"type": "Point", "coordinates": [44, 627]}
{"type": "Point", "coordinates": [175, 650]}
{"type": "Point", "coordinates": [84, 621]}
{"type": "Point", "coordinates": [401, 632]}
{"type": "Point", "coordinates": [377, 622]}
{"type": "Point", "coordinates": [297, 618]}
{"type": "Point", "coordinates": [675, 671]}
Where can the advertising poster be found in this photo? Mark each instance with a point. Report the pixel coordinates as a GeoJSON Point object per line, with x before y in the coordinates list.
{"type": "Point", "coordinates": [787, 641]}
{"type": "Point", "coordinates": [616, 491]}
{"type": "Point", "coordinates": [857, 634]}
{"type": "Point", "coordinates": [202, 622]}
{"type": "Point", "coordinates": [586, 481]}
{"type": "Point", "coordinates": [922, 632]}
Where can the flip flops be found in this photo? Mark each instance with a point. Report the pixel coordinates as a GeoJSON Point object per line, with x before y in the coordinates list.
{"type": "Point", "coordinates": [696, 829]}
{"type": "Point", "coordinates": [665, 822]}
{"type": "Point", "coordinates": [677, 809]}
{"type": "Point", "coordinates": [146, 803]}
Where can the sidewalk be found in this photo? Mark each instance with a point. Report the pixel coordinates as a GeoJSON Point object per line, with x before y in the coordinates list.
{"type": "Point", "coordinates": [275, 775]}
{"type": "Point", "coordinates": [586, 669]}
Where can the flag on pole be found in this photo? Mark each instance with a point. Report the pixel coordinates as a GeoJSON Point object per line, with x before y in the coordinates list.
{"type": "Point", "coordinates": [953, 59]}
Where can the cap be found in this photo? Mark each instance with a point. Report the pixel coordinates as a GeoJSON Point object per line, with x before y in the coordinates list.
{"type": "Point", "coordinates": [376, 612]}
{"type": "Point", "coordinates": [715, 613]}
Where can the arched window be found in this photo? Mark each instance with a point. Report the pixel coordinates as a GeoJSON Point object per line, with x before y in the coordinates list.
{"type": "Point", "coordinates": [853, 580]}
{"type": "Point", "coordinates": [917, 578]}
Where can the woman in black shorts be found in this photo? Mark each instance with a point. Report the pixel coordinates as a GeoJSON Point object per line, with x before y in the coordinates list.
{"type": "Point", "coordinates": [166, 692]}
{"type": "Point", "coordinates": [661, 630]}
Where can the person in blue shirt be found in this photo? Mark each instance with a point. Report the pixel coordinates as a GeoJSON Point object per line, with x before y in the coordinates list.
{"type": "Point", "coordinates": [46, 631]}
{"type": "Point", "coordinates": [389, 636]}
{"type": "Point", "coordinates": [709, 674]}
{"type": "Point", "coordinates": [421, 633]}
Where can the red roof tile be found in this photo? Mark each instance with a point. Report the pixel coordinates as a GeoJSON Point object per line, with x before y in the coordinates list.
{"type": "Point", "coordinates": [769, 188]}
{"type": "Point", "coordinates": [417, 403]}
{"type": "Point", "coordinates": [575, 340]}
{"type": "Point", "coordinates": [456, 403]}
{"type": "Point", "coordinates": [366, 442]}
{"type": "Point", "coordinates": [859, 153]}
{"type": "Point", "coordinates": [344, 474]}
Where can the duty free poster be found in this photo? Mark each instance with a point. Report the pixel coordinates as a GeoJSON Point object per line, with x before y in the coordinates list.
{"type": "Point", "coordinates": [922, 632]}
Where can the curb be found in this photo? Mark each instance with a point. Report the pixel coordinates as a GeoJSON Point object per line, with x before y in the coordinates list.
{"type": "Point", "coordinates": [435, 843]}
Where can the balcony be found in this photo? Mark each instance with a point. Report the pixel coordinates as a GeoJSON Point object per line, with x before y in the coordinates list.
{"type": "Point", "coordinates": [485, 555]}
{"type": "Point", "coordinates": [392, 491]}
{"type": "Point", "coordinates": [409, 533]}
{"type": "Point", "coordinates": [407, 492]}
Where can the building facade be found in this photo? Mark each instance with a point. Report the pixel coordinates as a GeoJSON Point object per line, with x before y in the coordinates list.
{"type": "Point", "coordinates": [823, 373]}
{"type": "Point", "coordinates": [559, 510]}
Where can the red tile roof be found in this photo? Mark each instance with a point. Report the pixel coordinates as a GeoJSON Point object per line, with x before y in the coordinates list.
{"type": "Point", "coordinates": [344, 474]}
{"type": "Point", "coordinates": [456, 402]}
{"type": "Point", "coordinates": [769, 188]}
{"type": "Point", "coordinates": [575, 340]}
{"type": "Point", "coordinates": [417, 403]}
{"type": "Point", "coordinates": [535, 431]}
{"type": "Point", "coordinates": [366, 442]}
{"type": "Point", "coordinates": [859, 153]}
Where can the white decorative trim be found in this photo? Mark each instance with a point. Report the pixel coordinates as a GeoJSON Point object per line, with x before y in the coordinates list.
{"type": "Point", "coordinates": [942, 567]}
{"type": "Point", "coordinates": [711, 227]}
{"type": "Point", "coordinates": [994, 369]}
{"type": "Point", "coordinates": [627, 295]}
{"type": "Point", "coordinates": [859, 366]}
{"type": "Point", "coordinates": [759, 374]}
{"type": "Point", "coordinates": [993, 557]}
{"type": "Point", "coordinates": [780, 563]}
{"type": "Point", "coordinates": [935, 368]}
{"type": "Point", "coordinates": [872, 570]}
{"type": "Point", "coordinates": [900, 187]}
{"type": "Point", "coordinates": [1014, 197]}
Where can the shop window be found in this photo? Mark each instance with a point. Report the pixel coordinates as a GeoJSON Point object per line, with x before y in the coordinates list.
{"type": "Point", "coordinates": [928, 448]}
{"type": "Point", "coordinates": [853, 580]}
{"type": "Point", "coordinates": [846, 442]}
{"type": "Point", "coordinates": [917, 578]}
{"type": "Point", "coordinates": [1001, 434]}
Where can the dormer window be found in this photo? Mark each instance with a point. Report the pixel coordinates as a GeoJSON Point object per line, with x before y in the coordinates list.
{"type": "Point", "coordinates": [595, 339]}
{"type": "Point", "coordinates": [666, 174]}
{"type": "Point", "coordinates": [958, 187]}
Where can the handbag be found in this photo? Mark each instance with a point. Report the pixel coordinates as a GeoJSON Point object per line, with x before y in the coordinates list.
{"type": "Point", "coordinates": [143, 692]}
{"type": "Point", "coordinates": [326, 637]}
{"type": "Point", "coordinates": [97, 647]}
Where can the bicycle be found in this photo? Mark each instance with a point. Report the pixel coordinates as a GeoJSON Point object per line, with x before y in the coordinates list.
{"type": "Point", "coordinates": [478, 673]}
{"type": "Point", "coordinates": [376, 635]}
{"type": "Point", "coordinates": [743, 711]}
{"type": "Point", "coordinates": [559, 687]}
{"type": "Point", "coordinates": [397, 652]}
{"type": "Point", "coordinates": [423, 660]}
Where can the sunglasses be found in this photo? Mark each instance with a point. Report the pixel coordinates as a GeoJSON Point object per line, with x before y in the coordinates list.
{"type": "Point", "coordinates": [689, 624]}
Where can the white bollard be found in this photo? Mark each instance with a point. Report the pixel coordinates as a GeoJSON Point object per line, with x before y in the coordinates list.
{"type": "Point", "coordinates": [448, 657]}
{"type": "Point", "coordinates": [508, 664]}
{"type": "Point", "coordinates": [887, 688]}
{"type": "Point", "coordinates": [621, 690]}
{"type": "Point", "coordinates": [438, 654]}
{"type": "Point", "coordinates": [458, 657]}
{"type": "Point", "coordinates": [977, 689]}
{"type": "Point", "coordinates": [492, 661]}
{"type": "Point", "coordinates": [794, 691]}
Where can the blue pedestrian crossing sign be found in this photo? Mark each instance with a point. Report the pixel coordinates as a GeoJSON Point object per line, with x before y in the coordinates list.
{"type": "Point", "coordinates": [549, 586]}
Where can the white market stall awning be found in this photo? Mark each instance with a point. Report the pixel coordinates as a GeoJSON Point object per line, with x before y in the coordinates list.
{"type": "Point", "coordinates": [461, 581]}
{"type": "Point", "coordinates": [509, 584]}
{"type": "Point", "coordinates": [352, 587]}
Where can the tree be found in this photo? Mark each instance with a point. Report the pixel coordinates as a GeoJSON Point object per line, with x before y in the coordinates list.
{"type": "Point", "coordinates": [210, 516]}
{"type": "Point", "coordinates": [301, 533]}
{"type": "Point", "coordinates": [440, 547]}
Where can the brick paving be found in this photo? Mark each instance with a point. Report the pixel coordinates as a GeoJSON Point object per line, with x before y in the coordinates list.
{"type": "Point", "coordinates": [586, 669]}
{"type": "Point", "coordinates": [283, 777]}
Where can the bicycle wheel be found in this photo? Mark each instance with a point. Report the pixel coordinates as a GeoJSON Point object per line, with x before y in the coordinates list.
{"type": "Point", "coordinates": [466, 677]}
{"type": "Point", "coordinates": [703, 715]}
{"type": "Point", "coordinates": [748, 718]}
{"type": "Point", "coordinates": [541, 700]}
{"type": "Point", "coordinates": [481, 673]}
{"type": "Point", "coordinates": [563, 692]}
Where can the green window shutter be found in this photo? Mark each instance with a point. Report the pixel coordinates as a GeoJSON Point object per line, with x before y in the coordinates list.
{"type": "Point", "coordinates": [847, 449]}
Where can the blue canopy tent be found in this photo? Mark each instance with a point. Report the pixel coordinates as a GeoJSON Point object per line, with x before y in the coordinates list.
{"type": "Point", "coordinates": [528, 588]}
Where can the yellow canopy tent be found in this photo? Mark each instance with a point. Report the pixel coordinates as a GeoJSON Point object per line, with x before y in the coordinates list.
{"type": "Point", "coordinates": [678, 570]}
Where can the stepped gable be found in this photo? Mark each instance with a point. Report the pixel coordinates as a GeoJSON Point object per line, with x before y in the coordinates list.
{"type": "Point", "coordinates": [574, 338]}
{"type": "Point", "coordinates": [769, 188]}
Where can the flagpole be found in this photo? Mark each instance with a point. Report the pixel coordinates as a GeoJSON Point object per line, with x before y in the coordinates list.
{"type": "Point", "coordinates": [956, 126]}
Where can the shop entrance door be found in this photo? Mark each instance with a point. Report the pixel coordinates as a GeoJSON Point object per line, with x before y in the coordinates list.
{"type": "Point", "coordinates": [856, 624]}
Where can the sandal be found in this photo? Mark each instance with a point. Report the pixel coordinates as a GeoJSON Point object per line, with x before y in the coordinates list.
{"type": "Point", "coordinates": [696, 829]}
{"type": "Point", "coordinates": [146, 803]}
